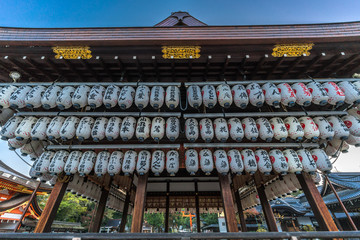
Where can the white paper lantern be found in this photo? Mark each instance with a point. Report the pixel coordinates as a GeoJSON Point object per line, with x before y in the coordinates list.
{"type": "Point", "coordinates": [322, 160]}
{"type": "Point", "coordinates": [33, 97]}
{"type": "Point", "coordinates": [112, 130]}
{"type": "Point", "coordinates": [84, 128]}
{"type": "Point", "coordinates": [256, 95]}
{"type": "Point", "coordinates": [5, 94]}
{"type": "Point", "coordinates": [32, 172]}
{"type": "Point", "coordinates": [142, 96]}
{"type": "Point", "coordinates": [206, 161]}
{"type": "Point", "coordinates": [101, 163]}
{"type": "Point", "coordinates": [191, 129]}
{"type": "Point", "coordinates": [303, 95]}
{"type": "Point", "coordinates": [241, 99]}
{"type": "Point", "coordinates": [87, 162]}
{"type": "Point", "coordinates": [127, 129]}
{"type": "Point", "coordinates": [208, 93]}
{"type": "Point", "coordinates": [307, 161]}
{"type": "Point", "coordinates": [235, 129]}
{"type": "Point", "coordinates": [250, 129]}
{"type": "Point", "coordinates": [58, 162]}
{"type": "Point", "coordinates": [111, 96]}
{"type": "Point", "coordinates": [37, 150]}
{"type": "Point", "coordinates": [293, 126]}
{"type": "Point", "coordinates": [352, 140]}
{"type": "Point", "coordinates": [340, 129]}
{"type": "Point", "coordinates": [126, 97]}
{"type": "Point", "coordinates": [224, 95]}
{"type": "Point", "coordinates": [336, 95]}
{"type": "Point", "coordinates": [318, 93]}
{"type": "Point", "coordinates": [354, 112]}
{"type": "Point", "coordinates": [272, 94]}
{"type": "Point", "coordinates": [265, 131]}
{"type": "Point", "coordinates": [316, 178]}
{"type": "Point", "coordinates": [339, 145]}
{"type": "Point", "coordinates": [235, 161]}
{"type": "Point", "coordinates": [172, 128]}
{"type": "Point", "coordinates": [325, 129]}
{"type": "Point", "coordinates": [43, 162]}
{"type": "Point", "coordinates": [23, 131]}
{"type": "Point", "coordinates": [194, 96]}
{"type": "Point", "coordinates": [221, 129]}
{"type": "Point", "coordinates": [80, 97]}
{"type": "Point", "coordinates": [129, 163]}
{"type": "Point", "coordinates": [63, 101]}
{"type": "Point", "coordinates": [98, 130]}
{"type": "Point", "coordinates": [279, 128]}
{"type": "Point", "coordinates": [17, 98]}
{"type": "Point", "coordinates": [249, 159]}
{"type": "Point", "coordinates": [5, 115]}
{"type": "Point", "coordinates": [48, 100]}
{"type": "Point", "coordinates": [157, 97]}
{"type": "Point", "coordinates": [143, 162]}
{"type": "Point", "coordinates": [29, 148]}
{"type": "Point", "coordinates": [38, 132]}
{"type": "Point", "coordinates": [331, 151]}
{"type": "Point", "coordinates": [206, 129]}
{"type": "Point", "coordinates": [8, 130]}
{"type": "Point", "coordinates": [115, 162]}
{"type": "Point", "coordinates": [311, 130]}
{"type": "Point", "coordinates": [72, 163]}
{"type": "Point", "coordinates": [143, 128]}
{"type": "Point", "coordinates": [288, 97]}
{"type": "Point", "coordinates": [172, 162]}
{"type": "Point", "coordinates": [15, 144]}
{"type": "Point", "coordinates": [278, 161]}
{"type": "Point", "coordinates": [353, 124]}
{"type": "Point", "coordinates": [191, 161]}
{"type": "Point", "coordinates": [352, 94]}
{"type": "Point", "coordinates": [293, 160]}
{"type": "Point", "coordinates": [263, 161]}
{"type": "Point", "coordinates": [68, 129]}
{"type": "Point", "coordinates": [221, 162]}
{"type": "Point", "coordinates": [157, 128]}
{"type": "Point", "coordinates": [157, 162]}
{"type": "Point", "coordinates": [172, 97]}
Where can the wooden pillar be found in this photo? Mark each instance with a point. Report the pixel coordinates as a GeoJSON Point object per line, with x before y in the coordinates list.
{"type": "Point", "coordinates": [229, 208]}
{"type": "Point", "coordinates": [33, 195]}
{"type": "Point", "coordinates": [125, 211]}
{"type": "Point", "coordinates": [167, 207]}
{"type": "Point", "coordinates": [51, 207]}
{"type": "Point", "coordinates": [100, 209]}
{"type": "Point", "coordinates": [240, 211]}
{"type": "Point", "coordinates": [267, 210]}
{"type": "Point", "coordinates": [139, 204]}
{"type": "Point", "coordinates": [316, 202]}
{"type": "Point", "coordinates": [197, 206]}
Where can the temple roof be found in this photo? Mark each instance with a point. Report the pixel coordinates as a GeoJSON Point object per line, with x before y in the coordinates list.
{"type": "Point", "coordinates": [180, 19]}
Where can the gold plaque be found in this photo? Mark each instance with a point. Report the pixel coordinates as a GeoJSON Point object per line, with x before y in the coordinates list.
{"type": "Point", "coordinates": [181, 52]}
{"type": "Point", "coordinates": [72, 52]}
{"type": "Point", "coordinates": [292, 50]}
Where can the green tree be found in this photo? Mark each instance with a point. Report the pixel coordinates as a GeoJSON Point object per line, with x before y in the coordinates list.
{"type": "Point", "coordinates": [209, 218]}
{"type": "Point", "coordinates": [156, 220]}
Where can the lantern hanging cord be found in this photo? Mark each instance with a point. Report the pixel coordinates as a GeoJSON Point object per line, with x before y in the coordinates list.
{"type": "Point", "coordinates": [338, 152]}
{"type": "Point", "coordinates": [22, 159]}
{"type": "Point", "coordinates": [186, 104]}
{"type": "Point", "coordinates": [306, 113]}
{"type": "Point", "coordinates": [33, 149]}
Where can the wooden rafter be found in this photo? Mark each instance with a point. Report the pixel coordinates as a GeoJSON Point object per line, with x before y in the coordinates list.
{"type": "Point", "coordinates": [277, 64]}
{"type": "Point", "coordinates": [308, 67]}
{"type": "Point", "coordinates": [37, 67]}
{"type": "Point", "coordinates": [86, 64]}
{"type": "Point", "coordinates": [328, 66]}
{"type": "Point", "coordinates": [292, 66]}
{"type": "Point", "coordinates": [72, 68]}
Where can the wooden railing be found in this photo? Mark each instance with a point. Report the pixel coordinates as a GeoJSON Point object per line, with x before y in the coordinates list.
{"type": "Point", "coordinates": [183, 236]}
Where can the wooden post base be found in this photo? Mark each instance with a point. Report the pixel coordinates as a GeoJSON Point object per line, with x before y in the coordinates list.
{"type": "Point", "coordinates": [139, 204]}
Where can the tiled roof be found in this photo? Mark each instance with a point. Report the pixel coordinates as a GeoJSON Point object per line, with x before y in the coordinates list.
{"type": "Point", "coordinates": [178, 19]}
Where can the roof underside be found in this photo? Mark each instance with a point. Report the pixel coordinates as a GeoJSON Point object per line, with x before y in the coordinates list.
{"type": "Point", "coordinates": [180, 19]}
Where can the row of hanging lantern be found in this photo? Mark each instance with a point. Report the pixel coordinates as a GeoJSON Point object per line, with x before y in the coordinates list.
{"type": "Point", "coordinates": [83, 95]}
{"type": "Point", "coordinates": [271, 94]}
{"type": "Point", "coordinates": [83, 128]}
{"type": "Point", "coordinates": [142, 162]}
{"type": "Point", "coordinates": [104, 162]}
{"type": "Point", "coordinates": [318, 128]}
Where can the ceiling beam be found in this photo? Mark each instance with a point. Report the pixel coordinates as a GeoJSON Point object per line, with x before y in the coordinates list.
{"type": "Point", "coordinates": [292, 66]}
{"type": "Point", "coordinates": [328, 65]}
{"type": "Point", "coordinates": [258, 66]}
{"type": "Point", "coordinates": [22, 68]}
{"type": "Point", "coordinates": [277, 64]}
{"type": "Point", "coordinates": [346, 63]}
{"type": "Point", "coordinates": [308, 67]}
{"type": "Point", "coordinates": [104, 66]}
{"type": "Point", "coordinates": [37, 67]}
{"type": "Point", "coordinates": [89, 68]}
{"type": "Point", "coordinates": [72, 68]}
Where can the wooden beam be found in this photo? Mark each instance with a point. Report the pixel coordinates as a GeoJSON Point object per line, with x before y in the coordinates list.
{"type": "Point", "coordinates": [125, 212]}
{"type": "Point", "coordinates": [277, 64]}
{"type": "Point", "coordinates": [207, 66]}
{"type": "Point", "coordinates": [240, 211]}
{"type": "Point", "coordinates": [316, 202]}
{"type": "Point", "coordinates": [108, 72]}
{"type": "Point", "coordinates": [167, 207]}
{"type": "Point", "coordinates": [72, 68]}
{"type": "Point", "coordinates": [139, 204]}
{"type": "Point", "coordinates": [21, 68]}
{"type": "Point", "coordinates": [258, 66]}
{"type": "Point", "coordinates": [228, 203]}
{"type": "Point", "coordinates": [328, 65]}
{"type": "Point", "coordinates": [54, 67]}
{"type": "Point", "coordinates": [292, 65]}
{"type": "Point", "coordinates": [89, 68]}
{"type": "Point", "coordinates": [307, 68]}
{"type": "Point", "coordinates": [197, 206]}
{"type": "Point", "coordinates": [267, 210]}
{"type": "Point", "coordinates": [100, 209]}
{"type": "Point", "coordinates": [346, 63]}
{"type": "Point", "coordinates": [37, 67]}
{"type": "Point", "coordinates": [48, 215]}
{"type": "Point", "coordinates": [33, 195]}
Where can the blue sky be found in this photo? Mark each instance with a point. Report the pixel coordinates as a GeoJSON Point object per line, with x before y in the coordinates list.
{"type": "Point", "coordinates": [111, 13]}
